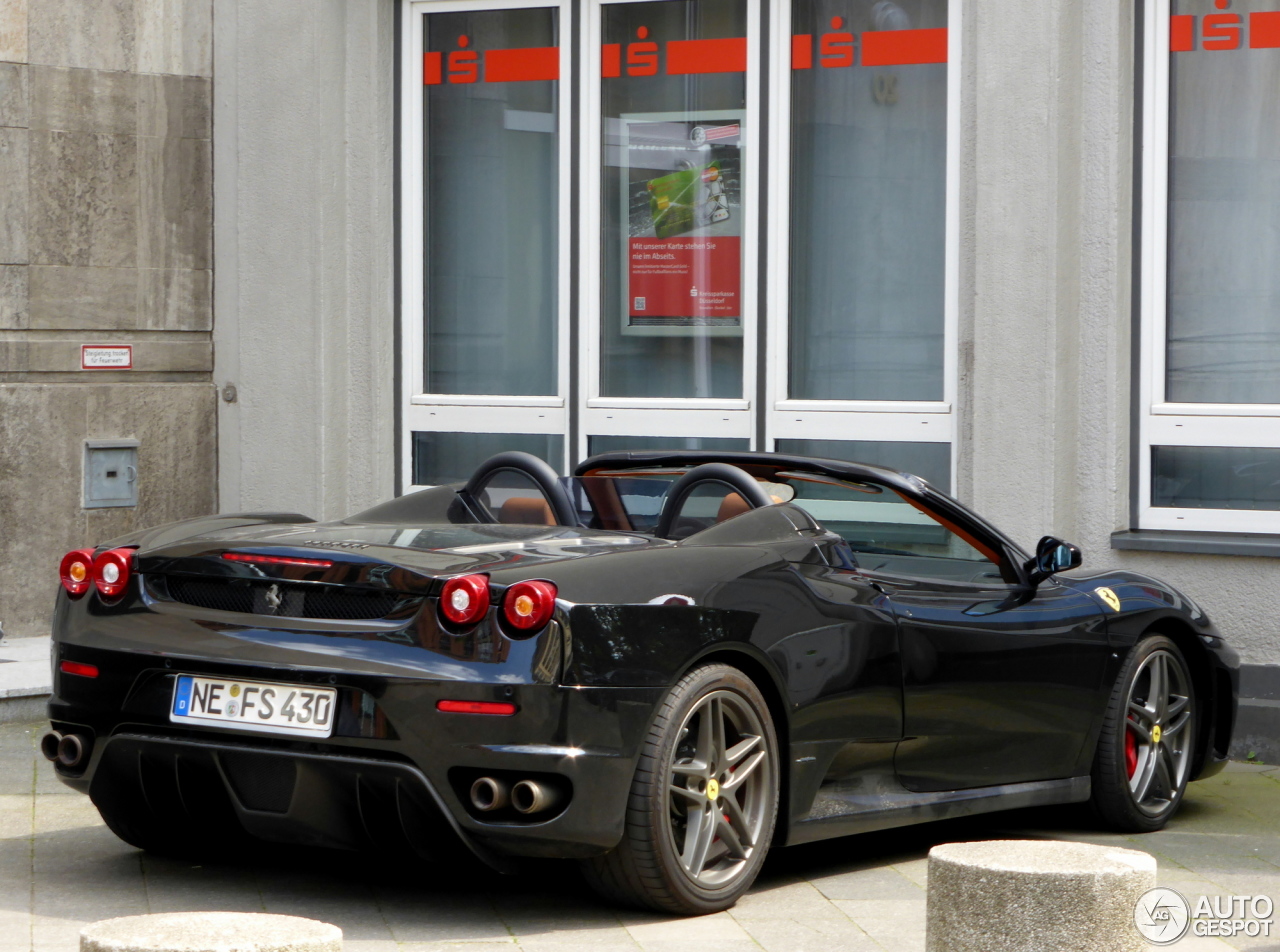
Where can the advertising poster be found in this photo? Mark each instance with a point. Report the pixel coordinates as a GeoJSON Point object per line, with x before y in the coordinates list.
{"type": "Point", "coordinates": [683, 191]}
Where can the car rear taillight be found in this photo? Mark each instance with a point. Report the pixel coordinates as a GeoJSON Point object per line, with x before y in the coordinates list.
{"type": "Point", "coordinates": [465, 600]}
{"type": "Point", "coordinates": [76, 572]}
{"type": "Point", "coordinates": [528, 606]}
{"type": "Point", "coordinates": [111, 570]}
{"type": "Point", "coordinates": [79, 668]}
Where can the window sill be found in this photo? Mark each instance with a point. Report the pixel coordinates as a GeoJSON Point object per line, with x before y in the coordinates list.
{"type": "Point", "coordinates": [1199, 543]}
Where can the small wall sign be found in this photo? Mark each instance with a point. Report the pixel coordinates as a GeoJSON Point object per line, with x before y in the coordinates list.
{"type": "Point", "coordinates": [106, 357]}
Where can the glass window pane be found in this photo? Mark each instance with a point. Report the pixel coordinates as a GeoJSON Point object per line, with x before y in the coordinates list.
{"type": "Point", "coordinates": [1215, 477]}
{"type": "Point", "coordinates": [613, 444]}
{"type": "Point", "coordinates": [1223, 306]}
{"type": "Point", "coordinates": [930, 461]}
{"type": "Point", "coordinates": [492, 202]}
{"type": "Point", "coordinates": [673, 214]}
{"type": "Point", "coordinates": [868, 200]}
{"type": "Point", "coordinates": [452, 457]}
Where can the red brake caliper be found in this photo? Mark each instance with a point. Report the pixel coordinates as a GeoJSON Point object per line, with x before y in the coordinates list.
{"type": "Point", "coordinates": [1130, 752]}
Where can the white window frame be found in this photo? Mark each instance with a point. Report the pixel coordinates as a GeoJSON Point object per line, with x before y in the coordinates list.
{"type": "Point", "coordinates": [666, 417]}
{"type": "Point", "coordinates": [878, 420]}
{"type": "Point", "coordinates": [472, 413]}
{"type": "Point", "coordinates": [1161, 423]}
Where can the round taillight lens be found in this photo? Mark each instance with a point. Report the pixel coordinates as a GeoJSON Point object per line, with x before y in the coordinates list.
{"type": "Point", "coordinates": [76, 572]}
{"type": "Point", "coordinates": [111, 570]}
{"type": "Point", "coordinates": [528, 606]}
{"type": "Point", "coordinates": [465, 600]}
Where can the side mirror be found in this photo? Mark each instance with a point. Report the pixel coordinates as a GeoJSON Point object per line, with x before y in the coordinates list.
{"type": "Point", "coordinates": [1052, 556]}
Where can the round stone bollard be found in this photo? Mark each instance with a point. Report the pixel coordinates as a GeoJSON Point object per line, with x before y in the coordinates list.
{"type": "Point", "coordinates": [1035, 896]}
{"type": "Point", "coordinates": [210, 932]}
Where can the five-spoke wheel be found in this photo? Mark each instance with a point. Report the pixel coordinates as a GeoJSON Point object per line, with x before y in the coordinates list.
{"type": "Point", "coordinates": [703, 802]}
{"type": "Point", "coordinates": [1144, 753]}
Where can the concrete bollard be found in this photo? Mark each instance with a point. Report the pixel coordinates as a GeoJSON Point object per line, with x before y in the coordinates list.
{"type": "Point", "coordinates": [1035, 896]}
{"type": "Point", "coordinates": [210, 932]}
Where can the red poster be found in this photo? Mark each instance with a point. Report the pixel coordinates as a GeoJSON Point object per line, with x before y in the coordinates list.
{"type": "Point", "coordinates": [682, 204]}
{"type": "Point", "coordinates": [685, 277]}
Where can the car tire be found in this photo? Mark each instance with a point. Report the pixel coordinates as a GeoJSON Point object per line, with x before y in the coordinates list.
{"type": "Point", "coordinates": [702, 806]}
{"type": "Point", "coordinates": [1147, 745]}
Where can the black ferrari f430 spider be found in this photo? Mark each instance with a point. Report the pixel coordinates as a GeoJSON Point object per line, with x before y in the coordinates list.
{"type": "Point", "coordinates": [660, 666]}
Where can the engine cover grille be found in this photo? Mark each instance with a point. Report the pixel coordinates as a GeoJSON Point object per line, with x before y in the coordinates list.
{"type": "Point", "coordinates": [288, 600]}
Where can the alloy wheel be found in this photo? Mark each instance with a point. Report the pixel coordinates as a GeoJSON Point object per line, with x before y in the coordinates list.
{"type": "Point", "coordinates": [1158, 732]}
{"type": "Point", "coordinates": [719, 789]}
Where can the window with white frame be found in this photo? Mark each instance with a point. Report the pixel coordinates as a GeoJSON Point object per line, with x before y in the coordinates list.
{"type": "Point", "coordinates": [847, 207]}
{"type": "Point", "coordinates": [1209, 422]}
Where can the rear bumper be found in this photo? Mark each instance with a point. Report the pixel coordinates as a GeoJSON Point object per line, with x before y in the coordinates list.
{"type": "Point", "coordinates": [393, 757]}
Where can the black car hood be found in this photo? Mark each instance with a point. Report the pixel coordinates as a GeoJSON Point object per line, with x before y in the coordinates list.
{"type": "Point", "coordinates": [369, 554]}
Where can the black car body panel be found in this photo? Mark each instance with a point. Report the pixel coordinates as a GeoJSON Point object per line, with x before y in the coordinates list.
{"type": "Point", "coordinates": [895, 699]}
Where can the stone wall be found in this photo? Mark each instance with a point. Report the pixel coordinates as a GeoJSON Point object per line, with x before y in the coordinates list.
{"type": "Point", "coordinates": [106, 237]}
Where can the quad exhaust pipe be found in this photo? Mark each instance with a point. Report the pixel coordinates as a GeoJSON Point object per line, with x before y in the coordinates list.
{"type": "Point", "coordinates": [525, 796]}
{"type": "Point", "coordinates": [68, 750]}
{"type": "Point", "coordinates": [488, 793]}
{"type": "Point", "coordinates": [529, 796]}
{"type": "Point", "coordinates": [49, 745]}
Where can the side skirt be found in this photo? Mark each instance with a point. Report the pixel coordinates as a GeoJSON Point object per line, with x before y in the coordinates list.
{"type": "Point", "coordinates": [842, 814]}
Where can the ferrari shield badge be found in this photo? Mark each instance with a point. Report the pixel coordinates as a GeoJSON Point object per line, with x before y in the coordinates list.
{"type": "Point", "coordinates": [1108, 596]}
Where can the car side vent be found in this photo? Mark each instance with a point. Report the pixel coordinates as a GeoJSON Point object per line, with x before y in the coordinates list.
{"type": "Point", "coordinates": [284, 599]}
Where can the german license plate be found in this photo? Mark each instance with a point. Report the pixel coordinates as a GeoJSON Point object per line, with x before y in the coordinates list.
{"type": "Point", "coordinates": [254, 705]}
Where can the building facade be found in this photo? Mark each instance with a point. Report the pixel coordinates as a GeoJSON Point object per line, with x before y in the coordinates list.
{"type": "Point", "coordinates": [1023, 249]}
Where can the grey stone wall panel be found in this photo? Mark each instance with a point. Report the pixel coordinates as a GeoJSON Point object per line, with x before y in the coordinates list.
{"type": "Point", "coordinates": [83, 100]}
{"type": "Point", "coordinates": [78, 298]}
{"type": "Point", "coordinates": [84, 201]}
{"type": "Point", "coordinates": [175, 203]}
{"type": "Point", "coordinates": [13, 31]}
{"type": "Point", "coordinates": [179, 107]}
{"type": "Point", "coordinates": [13, 297]}
{"type": "Point", "coordinates": [14, 162]}
{"type": "Point", "coordinates": [13, 95]}
{"type": "Point", "coordinates": [175, 36]}
{"type": "Point", "coordinates": [89, 34]}
{"type": "Point", "coordinates": [175, 300]}
{"type": "Point", "coordinates": [40, 355]}
{"type": "Point", "coordinates": [43, 428]}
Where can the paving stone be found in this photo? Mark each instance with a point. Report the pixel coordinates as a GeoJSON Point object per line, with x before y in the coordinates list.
{"type": "Point", "coordinates": [387, 910]}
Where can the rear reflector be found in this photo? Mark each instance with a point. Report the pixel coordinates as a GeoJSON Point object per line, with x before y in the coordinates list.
{"type": "Point", "coordinates": [275, 560]}
{"type": "Point", "coordinates": [76, 667]}
{"type": "Point", "coordinates": [476, 707]}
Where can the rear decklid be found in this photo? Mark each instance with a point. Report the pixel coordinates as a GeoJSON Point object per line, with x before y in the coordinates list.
{"type": "Point", "coordinates": [351, 572]}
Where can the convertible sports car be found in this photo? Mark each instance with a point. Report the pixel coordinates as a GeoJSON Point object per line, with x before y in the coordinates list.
{"type": "Point", "coordinates": [660, 666]}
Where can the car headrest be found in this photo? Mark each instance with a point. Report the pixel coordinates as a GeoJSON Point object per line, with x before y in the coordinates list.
{"type": "Point", "coordinates": [526, 511]}
{"type": "Point", "coordinates": [732, 505]}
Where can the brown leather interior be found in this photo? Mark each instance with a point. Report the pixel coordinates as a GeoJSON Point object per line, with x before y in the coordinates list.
{"type": "Point", "coordinates": [527, 511]}
{"type": "Point", "coordinates": [732, 505]}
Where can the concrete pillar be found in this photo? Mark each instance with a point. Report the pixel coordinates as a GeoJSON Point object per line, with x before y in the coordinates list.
{"type": "Point", "coordinates": [211, 932]}
{"type": "Point", "coordinates": [1035, 896]}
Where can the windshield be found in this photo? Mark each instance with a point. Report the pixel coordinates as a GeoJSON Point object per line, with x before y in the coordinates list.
{"type": "Point", "coordinates": [885, 530]}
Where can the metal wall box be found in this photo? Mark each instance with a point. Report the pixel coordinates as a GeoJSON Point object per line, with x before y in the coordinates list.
{"type": "Point", "coordinates": [110, 473]}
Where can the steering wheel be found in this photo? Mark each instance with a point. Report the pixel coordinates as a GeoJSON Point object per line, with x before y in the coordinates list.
{"type": "Point", "coordinates": [534, 468]}
{"type": "Point", "coordinates": [736, 479]}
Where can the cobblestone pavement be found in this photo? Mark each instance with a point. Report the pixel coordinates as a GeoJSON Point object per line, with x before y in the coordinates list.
{"type": "Point", "coordinates": [60, 868]}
